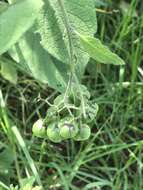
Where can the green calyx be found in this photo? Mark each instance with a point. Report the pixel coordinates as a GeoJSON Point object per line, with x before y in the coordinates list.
{"type": "Point", "coordinates": [39, 129]}
{"type": "Point", "coordinates": [83, 134]}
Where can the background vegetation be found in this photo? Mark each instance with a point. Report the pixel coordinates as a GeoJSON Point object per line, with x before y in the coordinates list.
{"type": "Point", "coordinates": [112, 159]}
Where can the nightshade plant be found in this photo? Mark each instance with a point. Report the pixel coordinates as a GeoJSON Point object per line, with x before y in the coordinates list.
{"type": "Point", "coordinates": [53, 40]}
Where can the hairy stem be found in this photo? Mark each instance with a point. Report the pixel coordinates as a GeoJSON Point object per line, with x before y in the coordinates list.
{"type": "Point", "coordinates": [68, 29]}
{"type": "Point", "coordinates": [69, 35]}
{"type": "Point", "coordinates": [71, 54]}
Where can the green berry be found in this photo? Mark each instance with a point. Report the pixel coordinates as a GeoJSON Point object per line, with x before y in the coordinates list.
{"type": "Point", "coordinates": [68, 130]}
{"type": "Point", "coordinates": [53, 133]}
{"type": "Point", "coordinates": [38, 129]}
{"type": "Point", "coordinates": [84, 133]}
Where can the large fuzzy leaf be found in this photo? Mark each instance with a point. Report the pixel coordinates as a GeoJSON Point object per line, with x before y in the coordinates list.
{"type": "Point", "coordinates": [99, 52]}
{"type": "Point", "coordinates": [81, 17]}
{"type": "Point", "coordinates": [15, 20]}
{"type": "Point", "coordinates": [41, 65]}
{"type": "Point", "coordinates": [51, 35]}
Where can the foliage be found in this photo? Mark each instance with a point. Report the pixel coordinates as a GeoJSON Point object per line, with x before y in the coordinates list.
{"type": "Point", "coordinates": [59, 70]}
{"type": "Point", "coordinates": [50, 53]}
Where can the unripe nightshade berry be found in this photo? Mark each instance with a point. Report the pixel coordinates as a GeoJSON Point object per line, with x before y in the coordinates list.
{"type": "Point", "coordinates": [68, 130]}
{"type": "Point", "coordinates": [83, 134]}
{"type": "Point", "coordinates": [53, 133]}
{"type": "Point", "coordinates": [39, 129]}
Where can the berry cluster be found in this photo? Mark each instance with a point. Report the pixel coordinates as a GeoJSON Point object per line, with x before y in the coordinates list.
{"type": "Point", "coordinates": [67, 128]}
{"type": "Point", "coordinates": [58, 125]}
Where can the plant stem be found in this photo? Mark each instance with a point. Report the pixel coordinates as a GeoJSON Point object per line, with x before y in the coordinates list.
{"type": "Point", "coordinates": [71, 54]}
{"type": "Point", "coordinates": [68, 29]}
{"type": "Point", "coordinates": [69, 35]}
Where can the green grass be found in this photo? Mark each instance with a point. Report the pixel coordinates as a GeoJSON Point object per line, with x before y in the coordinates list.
{"type": "Point", "coordinates": [112, 159]}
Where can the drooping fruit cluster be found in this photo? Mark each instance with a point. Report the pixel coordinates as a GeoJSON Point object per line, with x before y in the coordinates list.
{"type": "Point", "coordinates": [65, 129]}
{"type": "Point", "coordinates": [58, 125]}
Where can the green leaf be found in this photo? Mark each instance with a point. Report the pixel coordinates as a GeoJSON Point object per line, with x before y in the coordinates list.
{"type": "Point", "coordinates": [51, 35]}
{"type": "Point", "coordinates": [15, 20]}
{"type": "Point", "coordinates": [99, 52]}
{"type": "Point", "coordinates": [8, 71]}
{"type": "Point", "coordinates": [41, 65]}
{"type": "Point", "coordinates": [6, 160]}
{"type": "Point", "coordinates": [81, 17]}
